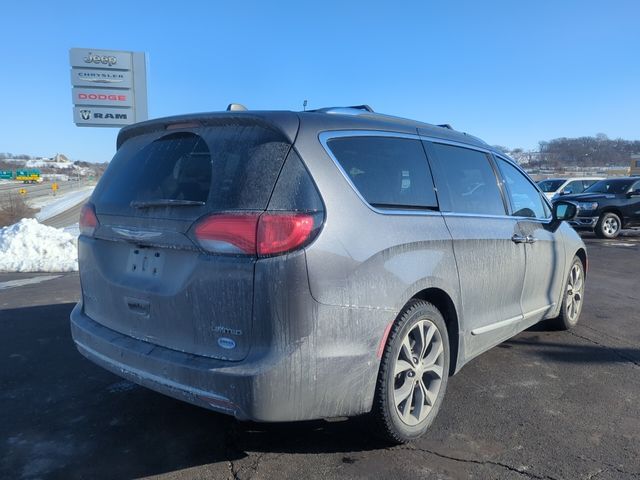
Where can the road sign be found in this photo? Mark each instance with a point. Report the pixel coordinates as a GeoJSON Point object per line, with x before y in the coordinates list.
{"type": "Point", "coordinates": [109, 87]}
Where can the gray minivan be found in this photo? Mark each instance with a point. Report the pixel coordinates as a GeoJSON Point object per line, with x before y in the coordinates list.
{"type": "Point", "coordinates": [282, 266]}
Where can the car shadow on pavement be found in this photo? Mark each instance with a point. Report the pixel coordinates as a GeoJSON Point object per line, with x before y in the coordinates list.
{"type": "Point", "coordinates": [555, 351]}
{"type": "Point", "coordinates": [66, 417]}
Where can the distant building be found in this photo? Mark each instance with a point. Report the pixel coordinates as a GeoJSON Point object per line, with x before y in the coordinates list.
{"type": "Point", "coordinates": [634, 168]}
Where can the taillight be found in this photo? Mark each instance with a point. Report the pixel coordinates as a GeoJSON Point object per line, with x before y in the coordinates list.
{"type": "Point", "coordinates": [88, 220]}
{"type": "Point", "coordinates": [283, 232]}
{"type": "Point", "coordinates": [262, 234]}
{"type": "Point", "coordinates": [228, 233]}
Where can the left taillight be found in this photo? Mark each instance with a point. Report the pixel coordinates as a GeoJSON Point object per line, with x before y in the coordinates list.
{"type": "Point", "coordinates": [88, 220]}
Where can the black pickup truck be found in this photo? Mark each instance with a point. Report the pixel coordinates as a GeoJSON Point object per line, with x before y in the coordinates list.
{"type": "Point", "coordinates": [607, 206]}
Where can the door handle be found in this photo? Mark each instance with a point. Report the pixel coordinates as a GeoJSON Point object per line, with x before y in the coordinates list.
{"type": "Point", "coordinates": [518, 238]}
{"type": "Point", "coordinates": [530, 239]}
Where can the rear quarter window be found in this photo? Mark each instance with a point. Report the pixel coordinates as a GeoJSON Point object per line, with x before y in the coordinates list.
{"type": "Point", "coordinates": [388, 172]}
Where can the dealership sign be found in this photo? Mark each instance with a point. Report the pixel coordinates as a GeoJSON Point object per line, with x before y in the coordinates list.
{"type": "Point", "coordinates": [109, 88]}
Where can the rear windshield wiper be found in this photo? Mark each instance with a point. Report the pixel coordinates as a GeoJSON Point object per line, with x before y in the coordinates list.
{"type": "Point", "coordinates": [165, 202]}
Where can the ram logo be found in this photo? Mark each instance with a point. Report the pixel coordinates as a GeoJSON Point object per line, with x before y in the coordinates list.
{"type": "Point", "coordinates": [85, 114]}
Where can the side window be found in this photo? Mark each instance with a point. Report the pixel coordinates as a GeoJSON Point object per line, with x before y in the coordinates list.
{"type": "Point", "coordinates": [389, 172]}
{"type": "Point", "coordinates": [466, 181]}
{"type": "Point", "coordinates": [525, 198]}
{"type": "Point", "coordinates": [574, 187]}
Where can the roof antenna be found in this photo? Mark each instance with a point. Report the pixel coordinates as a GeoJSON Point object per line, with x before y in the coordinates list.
{"type": "Point", "coordinates": [236, 107]}
{"type": "Point", "coordinates": [304, 106]}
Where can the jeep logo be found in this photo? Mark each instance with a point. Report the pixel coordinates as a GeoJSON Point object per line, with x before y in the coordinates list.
{"type": "Point", "coordinates": [101, 59]}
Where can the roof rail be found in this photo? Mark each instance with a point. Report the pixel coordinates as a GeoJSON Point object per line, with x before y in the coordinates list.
{"type": "Point", "coordinates": [351, 110]}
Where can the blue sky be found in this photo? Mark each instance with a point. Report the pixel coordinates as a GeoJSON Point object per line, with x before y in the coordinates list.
{"type": "Point", "coordinates": [511, 72]}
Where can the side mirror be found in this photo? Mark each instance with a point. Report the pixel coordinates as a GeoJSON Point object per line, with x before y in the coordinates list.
{"type": "Point", "coordinates": [634, 193]}
{"type": "Point", "coordinates": [564, 211]}
{"type": "Point", "coordinates": [566, 192]}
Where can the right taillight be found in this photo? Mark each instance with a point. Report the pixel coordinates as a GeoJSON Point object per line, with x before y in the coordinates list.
{"type": "Point", "coordinates": [261, 234]}
{"type": "Point", "coordinates": [88, 220]}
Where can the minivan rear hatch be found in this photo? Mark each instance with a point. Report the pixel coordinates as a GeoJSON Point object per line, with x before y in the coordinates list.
{"type": "Point", "coordinates": [142, 273]}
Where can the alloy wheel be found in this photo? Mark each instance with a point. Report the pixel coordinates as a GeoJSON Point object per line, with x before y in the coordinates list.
{"type": "Point", "coordinates": [610, 226]}
{"type": "Point", "coordinates": [418, 372]}
{"type": "Point", "coordinates": [575, 290]}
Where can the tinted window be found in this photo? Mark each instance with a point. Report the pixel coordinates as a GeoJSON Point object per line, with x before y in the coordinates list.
{"type": "Point", "coordinates": [550, 186]}
{"type": "Point", "coordinates": [612, 186]}
{"type": "Point", "coordinates": [295, 190]}
{"type": "Point", "coordinates": [525, 198]}
{"type": "Point", "coordinates": [575, 186]}
{"type": "Point", "coordinates": [467, 180]}
{"type": "Point", "coordinates": [388, 172]}
{"type": "Point", "coordinates": [228, 167]}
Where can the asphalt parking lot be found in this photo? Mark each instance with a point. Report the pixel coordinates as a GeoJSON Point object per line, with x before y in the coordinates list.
{"type": "Point", "coordinates": [544, 405]}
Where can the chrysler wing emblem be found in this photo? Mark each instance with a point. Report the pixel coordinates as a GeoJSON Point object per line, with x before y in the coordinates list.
{"type": "Point", "coordinates": [136, 234]}
{"type": "Point", "coordinates": [102, 80]}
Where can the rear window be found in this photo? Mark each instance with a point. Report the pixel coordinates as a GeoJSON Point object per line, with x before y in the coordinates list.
{"type": "Point", "coordinates": [188, 173]}
{"type": "Point", "coordinates": [388, 172]}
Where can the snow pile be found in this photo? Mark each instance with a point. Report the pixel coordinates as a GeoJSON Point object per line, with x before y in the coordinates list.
{"type": "Point", "coordinates": [53, 207]}
{"type": "Point", "coordinates": [28, 246]}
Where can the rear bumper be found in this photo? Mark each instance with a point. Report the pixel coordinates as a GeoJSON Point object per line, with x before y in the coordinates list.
{"type": "Point", "coordinates": [198, 380]}
{"type": "Point", "coordinates": [276, 385]}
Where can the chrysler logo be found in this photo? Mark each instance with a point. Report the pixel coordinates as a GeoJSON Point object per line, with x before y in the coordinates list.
{"type": "Point", "coordinates": [136, 234]}
{"type": "Point", "coordinates": [101, 77]}
{"type": "Point", "coordinates": [101, 59]}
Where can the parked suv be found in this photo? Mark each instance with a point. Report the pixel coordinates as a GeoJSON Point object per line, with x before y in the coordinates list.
{"type": "Point", "coordinates": [282, 266]}
{"type": "Point", "coordinates": [608, 206]}
{"type": "Point", "coordinates": [555, 187]}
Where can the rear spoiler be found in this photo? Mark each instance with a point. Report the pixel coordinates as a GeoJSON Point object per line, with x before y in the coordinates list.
{"type": "Point", "coordinates": [286, 123]}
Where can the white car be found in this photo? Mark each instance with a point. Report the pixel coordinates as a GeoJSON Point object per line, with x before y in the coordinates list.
{"type": "Point", "coordinates": [564, 186]}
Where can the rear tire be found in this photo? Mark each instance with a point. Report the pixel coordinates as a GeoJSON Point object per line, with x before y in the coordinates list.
{"type": "Point", "coordinates": [608, 226]}
{"type": "Point", "coordinates": [572, 298]}
{"type": "Point", "coordinates": [413, 374]}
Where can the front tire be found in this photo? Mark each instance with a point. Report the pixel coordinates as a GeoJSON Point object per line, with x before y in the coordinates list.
{"type": "Point", "coordinates": [608, 226]}
{"type": "Point", "coordinates": [572, 299]}
{"type": "Point", "coordinates": [413, 373]}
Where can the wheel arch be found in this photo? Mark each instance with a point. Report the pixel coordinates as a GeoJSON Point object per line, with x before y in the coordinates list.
{"type": "Point", "coordinates": [582, 255]}
{"type": "Point", "coordinates": [443, 302]}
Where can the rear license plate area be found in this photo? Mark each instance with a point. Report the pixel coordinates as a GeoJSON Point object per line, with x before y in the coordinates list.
{"type": "Point", "coordinates": [145, 262]}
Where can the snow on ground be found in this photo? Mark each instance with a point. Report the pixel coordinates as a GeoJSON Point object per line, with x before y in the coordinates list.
{"type": "Point", "coordinates": [41, 163]}
{"type": "Point", "coordinates": [28, 246]}
{"type": "Point", "coordinates": [73, 229]}
{"type": "Point", "coordinates": [52, 206]}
